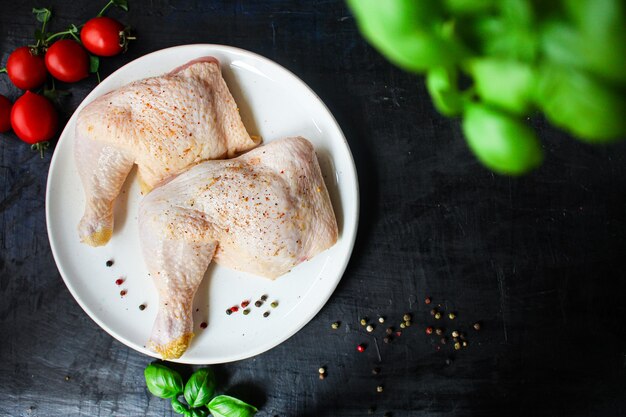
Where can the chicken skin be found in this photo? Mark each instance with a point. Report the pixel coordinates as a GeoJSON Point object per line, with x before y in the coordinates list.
{"type": "Point", "coordinates": [263, 213]}
{"type": "Point", "coordinates": [164, 125]}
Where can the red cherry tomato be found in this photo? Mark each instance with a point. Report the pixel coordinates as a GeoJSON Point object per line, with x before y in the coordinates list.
{"type": "Point", "coordinates": [34, 118]}
{"type": "Point", "coordinates": [25, 70]}
{"type": "Point", "coordinates": [67, 61]}
{"type": "Point", "coordinates": [5, 114]}
{"type": "Point", "coordinates": [103, 36]}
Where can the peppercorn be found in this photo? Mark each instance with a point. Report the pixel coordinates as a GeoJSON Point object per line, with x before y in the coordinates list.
{"type": "Point", "coordinates": [398, 333]}
{"type": "Point", "coordinates": [360, 348]}
{"type": "Point", "coordinates": [389, 330]}
{"type": "Point", "coordinates": [322, 376]}
{"type": "Point", "coordinates": [234, 309]}
{"type": "Point", "coordinates": [264, 297]}
{"type": "Point", "coordinates": [438, 331]}
{"type": "Point", "coordinates": [245, 303]}
{"type": "Point", "coordinates": [407, 323]}
{"type": "Point", "coordinates": [379, 388]}
{"type": "Point", "coordinates": [402, 325]}
{"type": "Point", "coordinates": [363, 321]}
{"type": "Point", "coordinates": [444, 340]}
{"type": "Point", "coordinates": [429, 330]}
{"type": "Point", "coordinates": [455, 333]}
{"type": "Point", "coordinates": [258, 303]}
{"type": "Point", "coordinates": [452, 316]}
{"type": "Point", "coordinates": [123, 293]}
{"type": "Point", "coordinates": [203, 325]}
{"type": "Point", "coordinates": [274, 304]}
{"type": "Point", "coordinates": [246, 312]}
{"type": "Point", "coordinates": [406, 317]}
{"type": "Point", "coordinates": [142, 307]}
{"type": "Point", "coordinates": [321, 370]}
{"type": "Point", "coordinates": [335, 325]}
{"type": "Point", "coordinates": [381, 319]}
{"type": "Point", "coordinates": [437, 315]}
{"type": "Point", "coordinates": [119, 281]}
{"type": "Point", "coordinates": [433, 312]}
{"type": "Point", "coordinates": [386, 339]}
{"type": "Point", "coordinates": [369, 328]}
{"type": "Point", "coordinates": [228, 312]}
{"type": "Point", "coordinates": [477, 326]}
{"type": "Point", "coordinates": [428, 300]}
{"type": "Point", "coordinates": [457, 346]}
{"type": "Point", "coordinates": [464, 343]}
{"type": "Point", "coordinates": [375, 371]}
{"type": "Point", "coordinates": [67, 377]}
{"type": "Point", "coordinates": [267, 313]}
{"type": "Point", "coordinates": [109, 263]}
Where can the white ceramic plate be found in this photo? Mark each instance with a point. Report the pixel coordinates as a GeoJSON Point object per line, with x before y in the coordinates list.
{"type": "Point", "coordinates": [273, 103]}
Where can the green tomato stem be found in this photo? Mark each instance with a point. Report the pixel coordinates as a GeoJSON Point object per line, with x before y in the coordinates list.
{"type": "Point", "coordinates": [41, 147]}
{"type": "Point", "coordinates": [105, 8]}
{"type": "Point", "coordinates": [66, 32]}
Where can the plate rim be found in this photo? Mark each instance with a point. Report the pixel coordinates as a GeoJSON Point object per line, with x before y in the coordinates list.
{"type": "Point", "coordinates": [321, 301]}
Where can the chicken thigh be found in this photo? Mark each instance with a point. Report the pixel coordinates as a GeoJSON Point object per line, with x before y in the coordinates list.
{"type": "Point", "coordinates": [263, 213]}
{"type": "Point", "coordinates": [164, 125]}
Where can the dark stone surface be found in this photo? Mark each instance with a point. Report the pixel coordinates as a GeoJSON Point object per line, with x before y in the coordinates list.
{"type": "Point", "coordinates": [537, 259]}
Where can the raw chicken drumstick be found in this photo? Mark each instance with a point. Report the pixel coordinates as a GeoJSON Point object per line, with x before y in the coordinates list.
{"type": "Point", "coordinates": [263, 213]}
{"type": "Point", "coordinates": [164, 125]}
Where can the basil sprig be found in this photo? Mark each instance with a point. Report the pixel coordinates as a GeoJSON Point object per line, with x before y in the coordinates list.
{"type": "Point", "coordinates": [198, 392]}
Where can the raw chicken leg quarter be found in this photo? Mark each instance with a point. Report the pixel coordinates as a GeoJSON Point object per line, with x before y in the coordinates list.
{"type": "Point", "coordinates": [263, 213]}
{"type": "Point", "coordinates": [164, 125]}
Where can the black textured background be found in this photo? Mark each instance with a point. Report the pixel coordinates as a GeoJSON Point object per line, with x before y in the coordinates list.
{"type": "Point", "coordinates": [537, 259]}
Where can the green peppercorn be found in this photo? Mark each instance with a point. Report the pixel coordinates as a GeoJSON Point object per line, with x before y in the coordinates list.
{"type": "Point", "coordinates": [246, 312]}
{"type": "Point", "coordinates": [457, 346]}
{"type": "Point", "coordinates": [406, 317]}
{"type": "Point", "coordinates": [477, 326]}
{"type": "Point", "coordinates": [407, 323]}
{"type": "Point", "coordinates": [274, 304]}
{"type": "Point", "coordinates": [379, 388]}
{"type": "Point", "coordinates": [452, 316]}
{"type": "Point", "coordinates": [335, 325]}
{"type": "Point", "coordinates": [402, 325]}
{"type": "Point", "coordinates": [455, 333]}
{"type": "Point", "coordinates": [437, 315]}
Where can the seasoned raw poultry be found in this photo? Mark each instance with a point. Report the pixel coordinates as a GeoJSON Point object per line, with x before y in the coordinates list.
{"type": "Point", "coordinates": [263, 213]}
{"type": "Point", "coordinates": [164, 125]}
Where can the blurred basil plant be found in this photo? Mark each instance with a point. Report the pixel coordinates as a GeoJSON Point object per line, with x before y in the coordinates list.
{"type": "Point", "coordinates": [564, 58]}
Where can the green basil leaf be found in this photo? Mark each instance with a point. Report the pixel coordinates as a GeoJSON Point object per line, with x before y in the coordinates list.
{"type": "Point", "coordinates": [602, 52]}
{"type": "Point", "coordinates": [94, 63]}
{"type": "Point", "coordinates": [179, 407]}
{"type": "Point", "coordinates": [500, 141]}
{"type": "Point", "coordinates": [122, 4]}
{"type": "Point", "coordinates": [162, 381]}
{"type": "Point", "coordinates": [200, 387]}
{"type": "Point", "coordinates": [581, 104]}
{"type": "Point", "coordinates": [503, 83]}
{"type": "Point", "coordinates": [442, 86]}
{"type": "Point", "coordinates": [226, 406]}
{"type": "Point", "coordinates": [42, 15]}
{"type": "Point", "coordinates": [407, 32]}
